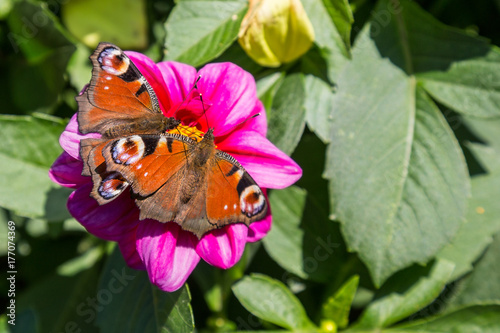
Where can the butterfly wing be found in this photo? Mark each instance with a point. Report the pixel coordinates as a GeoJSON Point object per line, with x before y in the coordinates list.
{"type": "Point", "coordinates": [118, 95]}
{"type": "Point", "coordinates": [233, 195]}
{"type": "Point", "coordinates": [179, 200]}
{"type": "Point", "coordinates": [107, 184]}
{"type": "Point", "coordinates": [147, 161]}
{"type": "Point", "coordinates": [144, 162]}
{"type": "Point", "coordinates": [87, 147]}
{"type": "Point", "coordinates": [169, 185]}
{"type": "Point", "coordinates": [155, 168]}
{"type": "Point", "coordinates": [224, 194]}
{"type": "Point", "coordinates": [203, 199]}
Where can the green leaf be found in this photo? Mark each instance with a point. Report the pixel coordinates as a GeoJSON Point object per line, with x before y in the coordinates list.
{"type": "Point", "coordinates": [467, 82]}
{"type": "Point", "coordinates": [36, 32]}
{"type": "Point", "coordinates": [284, 242]}
{"type": "Point", "coordinates": [391, 307]}
{"type": "Point", "coordinates": [26, 321]}
{"type": "Point", "coordinates": [485, 129]}
{"type": "Point", "coordinates": [483, 221]}
{"type": "Point", "coordinates": [286, 118]}
{"type": "Point", "coordinates": [46, 47]}
{"type": "Point", "coordinates": [341, 14]}
{"type": "Point", "coordinates": [267, 87]}
{"type": "Point", "coordinates": [310, 155]}
{"type": "Point", "coordinates": [459, 70]}
{"type": "Point", "coordinates": [338, 306]}
{"type": "Point", "coordinates": [80, 68]}
{"type": "Point", "coordinates": [3, 231]}
{"type": "Point", "coordinates": [69, 309]}
{"type": "Point", "coordinates": [84, 261]}
{"type": "Point", "coordinates": [116, 21]}
{"type": "Point", "coordinates": [478, 318]}
{"type": "Point", "coordinates": [4, 326]}
{"type": "Point", "coordinates": [302, 241]}
{"type": "Point", "coordinates": [331, 21]}
{"type": "Point", "coordinates": [200, 30]}
{"type": "Point", "coordinates": [488, 157]}
{"type": "Point", "coordinates": [132, 304]}
{"type": "Point", "coordinates": [31, 146]}
{"type": "Point", "coordinates": [31, 139]}
{"type": "Point", "coordinates": [398, 178]}
{"type": "Point", "coordinates": [235, 54]}
{"type": "Point", "coordinates": [483, 284]}
{"type": "Point", "coordinates": [271, 300]}
{"type": "Point", "coordinates": [318, 104]}
{"type": "Point", "coordinates": [366, 169]}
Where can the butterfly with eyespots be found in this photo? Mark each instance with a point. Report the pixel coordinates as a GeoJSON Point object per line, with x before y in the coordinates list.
{"type": "Point", "coordinates": [171, 177]}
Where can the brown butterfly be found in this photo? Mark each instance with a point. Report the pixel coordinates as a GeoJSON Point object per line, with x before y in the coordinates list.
{"type": "Point", "coordinates": [119, 100]}
{"type": "Point", "coordinates": [172, 177]}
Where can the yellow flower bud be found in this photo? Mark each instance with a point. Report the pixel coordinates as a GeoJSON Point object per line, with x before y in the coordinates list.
{"type": "Point", "coordinates": [328, 326]}
{"type": "Point", "coordinates": [274, 32]}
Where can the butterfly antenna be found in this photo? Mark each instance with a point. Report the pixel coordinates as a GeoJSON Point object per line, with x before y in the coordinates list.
{"type": "Point", "coordinates": [204, 111]}
{"type": "Point", "coordinates": [244, 121]}
{"type": "Point", "coordinates": [202, 104]}
{"type": "Point", "coordinates": [251, 117]}
{"type": "Point", "coordinates": [194, 86]}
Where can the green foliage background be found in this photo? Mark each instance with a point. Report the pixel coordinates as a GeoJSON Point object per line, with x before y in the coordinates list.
{"type": "Point", "coordinates": [393, 115]}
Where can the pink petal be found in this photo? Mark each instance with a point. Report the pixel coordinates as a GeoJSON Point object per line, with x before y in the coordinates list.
{"type": "Point", "coordinates": [67, 171]}
{"type": "Point", "coordinates": [167, 252]}
{"type": "Point", "coordinates": [153, 75]}
{"type": "Point", "coordinates": [190, 112]}
{"type": "Point", "coordinates": [257, 230]}
{"type": "Point", "coordinates": [129, 251]}
{"type": "Point", "coordinates": [223, 247]}
{"type": "Point", "coordinates": [109, 221]}
{"type": "Point", "coordinates": [259, 123]}
{"type": "Point", "coordinates": [179, 79]}
{"type": "Point", "coordinates": [269, 166]}
{"type": "Point", "coordinates": [71, 137]}
{"type": "Point", "coordinates": [233, 93]}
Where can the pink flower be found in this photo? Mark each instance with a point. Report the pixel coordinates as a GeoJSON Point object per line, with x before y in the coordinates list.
{"type": "Point", "coordinates": [168, 253]}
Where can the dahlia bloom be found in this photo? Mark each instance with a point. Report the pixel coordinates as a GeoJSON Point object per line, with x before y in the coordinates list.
{"type": "Point", "coordinates": [168, 253]}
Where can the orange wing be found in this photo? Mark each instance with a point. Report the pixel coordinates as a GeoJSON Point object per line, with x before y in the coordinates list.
{"type": "Point", "coordinates": [232, 195]}
{"type": "Point", "coordinates": [118, 94]}
{"type": "Point", "coordinates": [107, 184]}
{"type": "Point", "coordinates": [87, 146]}
{"type": "Point", "coordinates": [155, 166]}
{"type": "Point", "coordinates": [175, 178]}
{"type": "Point", "coordinates": [147, 161]}
{"type": "Point", "coordinates": [203, 198]}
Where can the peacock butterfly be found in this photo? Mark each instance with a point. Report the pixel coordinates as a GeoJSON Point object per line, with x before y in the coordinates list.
{"type": "Point", "coordinates": [172, 177]}
{"type": "Point", "coordinates": [119, 100]}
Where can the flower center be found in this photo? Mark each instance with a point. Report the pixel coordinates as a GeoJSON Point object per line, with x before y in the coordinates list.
{"type": "Point", "coordinates": [189, 131]}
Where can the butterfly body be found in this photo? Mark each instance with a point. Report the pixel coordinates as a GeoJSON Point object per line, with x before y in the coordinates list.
{"type": "Point", "coordinates": [156, 123]}
{"type": "Point", "coordinates": [172, 177]}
